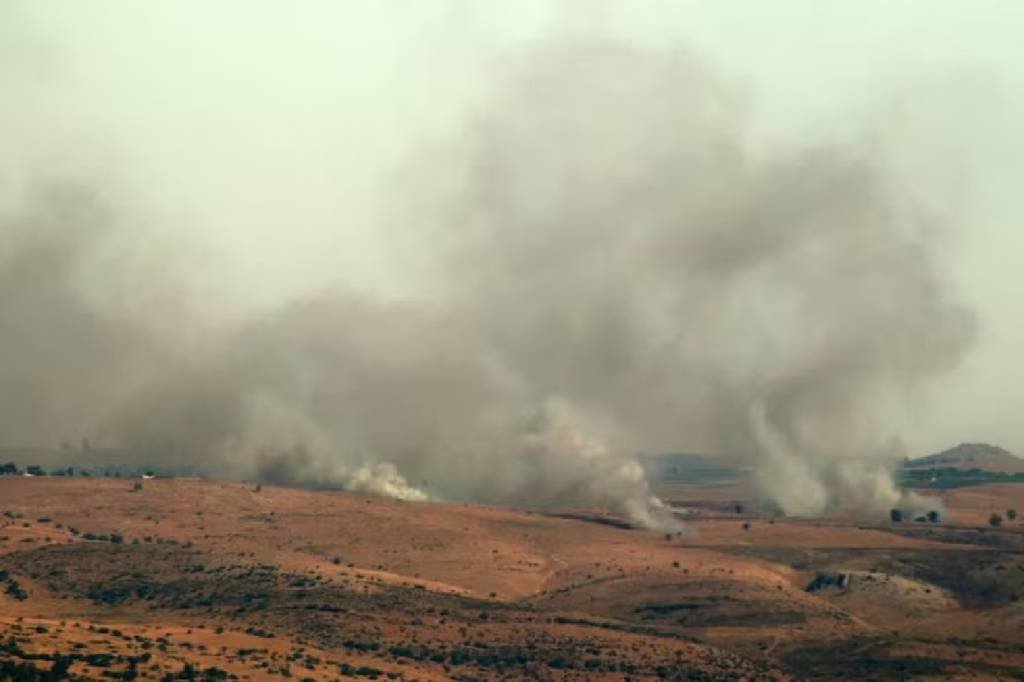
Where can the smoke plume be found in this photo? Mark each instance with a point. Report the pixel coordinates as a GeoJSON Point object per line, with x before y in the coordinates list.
{"type": "Point", "coordinates": [609, 270]}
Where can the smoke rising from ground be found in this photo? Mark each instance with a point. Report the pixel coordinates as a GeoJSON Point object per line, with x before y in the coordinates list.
{"type": "Point", "coordinates": [615, 272]}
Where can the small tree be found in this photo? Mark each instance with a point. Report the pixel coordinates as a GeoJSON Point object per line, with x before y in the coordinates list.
{"type": "Point", "coordinates": [933, 516]}
{"type": "Point", "coordinates": [1011, 514]}
{"type": "Point", "coordinates": [995, 520]}
{"type": "Point", "coordinates": [35, 470]}
{"type": "Point", "coordinates": [895, 515]}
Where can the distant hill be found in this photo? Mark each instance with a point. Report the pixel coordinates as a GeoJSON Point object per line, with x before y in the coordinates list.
{"type": "Point", "coordinates": [688, 467]}
{"type": "Point", "coordinates": [968, 456]}
{"type": "Point", "coordinates": [94, 459]}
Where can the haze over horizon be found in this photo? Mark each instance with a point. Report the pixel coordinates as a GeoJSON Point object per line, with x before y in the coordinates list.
{"type": "Point", "coordinates": [811, 216]}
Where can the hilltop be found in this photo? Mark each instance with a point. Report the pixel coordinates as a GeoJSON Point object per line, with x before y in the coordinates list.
{"type": "Point", "coordinates": [968, 456]}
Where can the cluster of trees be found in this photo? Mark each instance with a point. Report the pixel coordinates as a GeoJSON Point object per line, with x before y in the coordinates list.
{"type": "Point", "coordinates": [996, 519]}
{"type": "Point", "coordinates": [953, 477]}
{"type": "Point", "coordinates": [896, 516]}
{"type": "Point", "coordinates": [11, 469]}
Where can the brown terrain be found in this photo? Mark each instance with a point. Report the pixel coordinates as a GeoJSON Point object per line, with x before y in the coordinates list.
{"type": "Point", "coordinates": [193, 579]}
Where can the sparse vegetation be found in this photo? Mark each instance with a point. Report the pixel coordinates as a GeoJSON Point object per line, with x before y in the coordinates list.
{"type": "Point", "coordinates": [944, 478]}
{"type": "Point", "coordinates": [15, 590]}
{"type": "Point", "coordinates": [387, 628]}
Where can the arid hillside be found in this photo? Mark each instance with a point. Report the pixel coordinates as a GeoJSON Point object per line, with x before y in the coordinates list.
{"type": "Point", "coordinates": [148, 579]}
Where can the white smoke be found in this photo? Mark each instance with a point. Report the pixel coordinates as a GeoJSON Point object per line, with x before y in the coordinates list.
{"type": "Point", "coordinates": [614, 272]}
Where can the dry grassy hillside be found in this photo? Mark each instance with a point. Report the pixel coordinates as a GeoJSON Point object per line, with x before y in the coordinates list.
{"type": "Point", "coordinates": [225, 580]}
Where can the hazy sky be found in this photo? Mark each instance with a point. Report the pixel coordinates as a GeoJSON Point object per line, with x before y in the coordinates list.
{"type": "Point", "coordinates": [276, 136]}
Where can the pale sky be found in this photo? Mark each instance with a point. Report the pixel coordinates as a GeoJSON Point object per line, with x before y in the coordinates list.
{"type": "Point", "coordinates": [277, 135]}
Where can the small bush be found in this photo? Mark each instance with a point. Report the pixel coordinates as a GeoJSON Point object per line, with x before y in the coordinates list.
{"type": "Point", "coordinates": [15, 590]}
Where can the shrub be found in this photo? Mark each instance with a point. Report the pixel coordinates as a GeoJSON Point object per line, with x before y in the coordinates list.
{"type": "Point", "coordinates": [1011, 514]}
{"type": "Point", "coordinates": [15, 590]}
{"type": "Point", "coordinates": [995, 520]}
{"type": "Point", "coordinates": [895, 515]}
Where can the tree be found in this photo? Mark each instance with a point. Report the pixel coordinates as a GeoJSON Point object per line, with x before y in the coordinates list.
{"type": "Point", "coordinates": [35, 470]}
{"type": "Point", "coordinates": [1011, 514]}
{"type": "Point", "coordinates": [8, 469]}
{"type": "Point", "coordinates": [895, 515]}
{"type": "Point", "coordinates": [995, 520]}
{"type": "Point", "coordinates": [933, 516]}
{"type": "Point", "coordinates": [61, 665]}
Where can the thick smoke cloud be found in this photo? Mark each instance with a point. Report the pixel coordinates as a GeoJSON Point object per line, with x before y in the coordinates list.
{"type": "Point", "coordinates": [616, 273]}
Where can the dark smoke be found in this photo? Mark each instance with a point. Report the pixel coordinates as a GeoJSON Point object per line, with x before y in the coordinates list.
{"type": "Point", "coordinates": [618, 273]}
